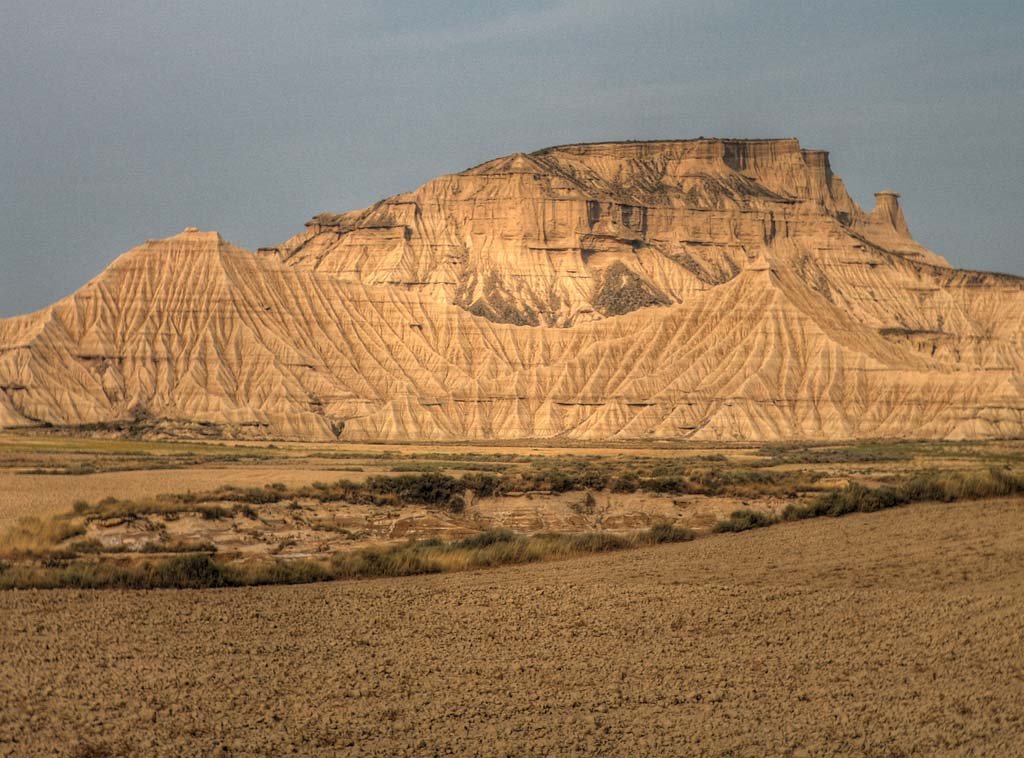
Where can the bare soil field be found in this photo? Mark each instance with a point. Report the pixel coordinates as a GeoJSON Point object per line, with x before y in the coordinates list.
{"type": "Point", "coordinates": [891, 633]}
{"type": "Point", "coordinates": [42, 494]}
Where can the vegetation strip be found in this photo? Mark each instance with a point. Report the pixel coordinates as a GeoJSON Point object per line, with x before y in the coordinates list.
{"type": "Point", "coordinates": [35, 543]}
{"type": "Point", "coordinates": [856, 498]}
{"type": "Point", "coordinates": [487, 549]}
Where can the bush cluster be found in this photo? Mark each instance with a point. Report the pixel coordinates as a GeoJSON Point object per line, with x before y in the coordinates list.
{"type": "Point", "coordinates": [744, 519]}
{"type": "Point", "coordinates": [944, 487]}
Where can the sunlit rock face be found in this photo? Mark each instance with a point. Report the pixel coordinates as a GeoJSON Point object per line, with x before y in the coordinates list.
{"type": "Point", "coordinates": [530, 239]}
{"type": "Point", "coordinates": [705, 289]}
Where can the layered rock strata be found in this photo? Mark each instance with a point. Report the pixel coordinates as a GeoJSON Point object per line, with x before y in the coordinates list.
{"type": "Point", "coordinates": [703, 289]}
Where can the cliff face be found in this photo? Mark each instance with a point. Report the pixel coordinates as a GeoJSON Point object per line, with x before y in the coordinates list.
{"type": "Point", "coordinates": [709, 289]}
{"type": "Point", "coordinates": [573, 234]}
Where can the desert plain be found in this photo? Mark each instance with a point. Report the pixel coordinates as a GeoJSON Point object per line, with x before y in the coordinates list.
{"type": "Point", "coordinates": [890, 632]}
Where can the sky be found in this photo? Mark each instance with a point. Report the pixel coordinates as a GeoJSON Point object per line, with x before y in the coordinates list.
{"type": "Point", "coordinates": [125, 121]}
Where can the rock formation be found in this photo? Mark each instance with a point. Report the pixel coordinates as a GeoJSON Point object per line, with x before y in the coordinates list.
{"type": "Point", "coordinates": [705, 289]}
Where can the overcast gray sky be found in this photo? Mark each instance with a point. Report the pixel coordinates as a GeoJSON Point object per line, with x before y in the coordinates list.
{"type": "Point", "coordinates": [125, 121]}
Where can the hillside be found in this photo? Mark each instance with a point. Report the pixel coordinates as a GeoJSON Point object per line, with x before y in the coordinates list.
{"type": "Point", "coordinates": [703, 289]}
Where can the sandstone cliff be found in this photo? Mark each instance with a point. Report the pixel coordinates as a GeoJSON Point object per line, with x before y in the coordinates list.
{"type": "Point", "coordinates": [707, 289]}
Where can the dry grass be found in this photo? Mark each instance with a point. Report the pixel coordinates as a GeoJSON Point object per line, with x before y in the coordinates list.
{"type": "Point", "coordinates": [485, 550]}
{"type": "Point", "coordinates": [942, 486]}
{"type": "Point", "coordinates": [945, 487]}
{"type": "Point", "coordinates": [32, 537]}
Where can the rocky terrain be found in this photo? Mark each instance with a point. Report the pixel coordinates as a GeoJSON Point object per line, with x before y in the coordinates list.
{"type": "Point", "coordinates": [701, 289]}
{"type": "Point", "coordinates": [893, 633]}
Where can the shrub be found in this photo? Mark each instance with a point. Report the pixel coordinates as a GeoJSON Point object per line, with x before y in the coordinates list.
{"type": "Point", "coordinates": [595, 542]}
{"type": "Point", "coordinates": [213, 512]}
{"type": "Point", "coordinates": [427, 489]}
{"type": "Point", "coordinates": [661, 533]}
{"type": "Point", "coordinates": [484, 539]}
{"type": "Point", "coordinates": [625, 483]}
{"type": "Point", "coordinates": [482, 485]}
{"type": "Point", "coordinates": [666, 485]}
{"type": "Point", "coordinates": [587, 507]}
{"type": "Point", "coordinates": [272, 493]}
{"type": "Point", "coordinates": [592, 479]}
{"type": "Point", "coordinates": [403, 560]}
{"type": "Point", "coordinates": [744, 519]}
{"type": "Point", "coordinates": [195, 570]}
{"type": "Point", "coordinates": [277, 572]}
{"type": "Point", "coordinates": [88, 546]}
{"type": "Point", "coordinates": [176, 546]}
{"type": "Point", "coordinates": [554, 481]}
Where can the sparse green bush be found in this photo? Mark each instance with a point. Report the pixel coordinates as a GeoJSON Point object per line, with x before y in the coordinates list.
{"type": "Point", "coordinates": [272, 493]}
{"type": "Point", "coordinates": [213, 512]}
{"type": "Point", "coordinates": [591, 478]}
{"type": "Point", "coordinates": [624, 483]}
{"type": "Point", "coordinates": [39, 553]}
{"type": "Point", "coordinates": [191, 571]}
{"type": "Point", "coordinates": [593, 542]}
{"type": "Point", "coordinates": [673, 485]}
{"type": "Point", "coordinates": [456, 504]}
{"type": "Point", "coordinates": [744, 519]}
{"type": "Point", "coordinates": [299, 571]}
{"type": "Point", "coordinates": [661, 533]}
{"type": "Point", "coordinates": [194, 570]}
{"type": "Point", "coordinates": [484, 539]}
{"type": "Point", "coordinates": [482, 484]}
{"type": "Point", "coordinates": [87, 546]}
{"type": "Point", "coordinates": [175, 546]}
{"type": "Point", "coordinates": [430, 488]}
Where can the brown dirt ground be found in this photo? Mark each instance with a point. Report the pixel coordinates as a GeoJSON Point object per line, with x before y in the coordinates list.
{"type": "Point", "coordinates": [893, 633]}
{"type": "Point", "coordinates": [32, 439]}
{"type": "Point", "coordinates": [48, 494]}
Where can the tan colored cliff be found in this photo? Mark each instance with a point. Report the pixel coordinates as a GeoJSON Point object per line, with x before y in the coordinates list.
{"type": "Point", "coordinates": [575, 233]}
{"type": "Point", "coordinates": [707, 289]}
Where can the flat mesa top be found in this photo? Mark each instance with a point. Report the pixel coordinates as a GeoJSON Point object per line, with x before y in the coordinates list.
{"type": "Point", "coordinates": [684, 141]}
